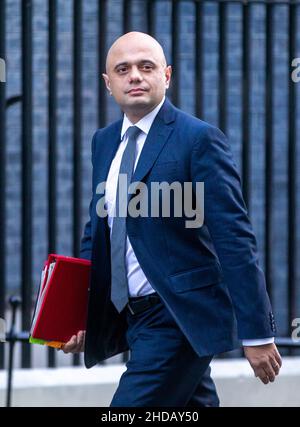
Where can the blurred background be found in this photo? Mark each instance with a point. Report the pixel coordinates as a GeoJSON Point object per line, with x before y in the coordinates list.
{"type": "Point", "coordinates": [232, 66]}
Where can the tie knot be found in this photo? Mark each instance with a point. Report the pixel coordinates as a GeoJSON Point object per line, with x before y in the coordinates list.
{"type": "Point", "coordinates": [133, 132]}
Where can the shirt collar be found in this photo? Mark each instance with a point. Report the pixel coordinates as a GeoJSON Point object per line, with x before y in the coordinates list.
{"type": "Point", "coordinates": [144, 123]}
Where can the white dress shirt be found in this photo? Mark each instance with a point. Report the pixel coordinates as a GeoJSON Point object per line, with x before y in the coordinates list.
{"type": "Point", "coordinates": [138, 283]}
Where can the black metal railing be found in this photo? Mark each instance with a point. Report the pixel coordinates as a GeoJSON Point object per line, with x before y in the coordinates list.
{"type": "Point", "coordinates": [126, 22]}
{"type": "Point", "coordinates": [2, 174]}
{"type": "Point", "coordinates": [14, 336]}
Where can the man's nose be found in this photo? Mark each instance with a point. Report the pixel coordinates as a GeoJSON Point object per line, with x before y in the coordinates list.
{"type": "Point", "coordinates": [135, 74]}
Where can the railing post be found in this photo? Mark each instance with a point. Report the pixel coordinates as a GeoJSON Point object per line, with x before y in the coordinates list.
{"type": "Point", "coordinates": [2, 167]}
{"type": "Point", "coordinates": [15, 302]}
{"type": "Point", "coordinates": [27, 165]}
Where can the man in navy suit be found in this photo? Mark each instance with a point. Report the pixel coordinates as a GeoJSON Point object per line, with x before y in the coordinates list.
{"type": "Point", "coordinates": [193, 292]}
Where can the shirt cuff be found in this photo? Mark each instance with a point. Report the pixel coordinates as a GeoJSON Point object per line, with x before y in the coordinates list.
{"type": "Point", "coordinates": [261, 341]}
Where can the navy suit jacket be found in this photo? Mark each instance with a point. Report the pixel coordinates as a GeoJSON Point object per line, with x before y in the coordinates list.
{"type": "Point", "coordinates": [208, 277]}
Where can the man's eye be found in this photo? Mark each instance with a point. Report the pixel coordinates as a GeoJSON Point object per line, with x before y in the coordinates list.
{"type": "Point", "coordinates": [147, 67]}
{"type": "Point", "coordinates": [122, 70]}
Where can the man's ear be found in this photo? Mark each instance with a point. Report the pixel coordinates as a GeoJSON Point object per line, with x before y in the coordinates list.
{"type": "Point", "coordinates": [106, 79]}
{"type": "Point", "coordinates": [168, 75]}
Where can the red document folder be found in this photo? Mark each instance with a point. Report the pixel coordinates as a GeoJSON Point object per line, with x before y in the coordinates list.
{"type": "Point", "coordinates": [61, 305]}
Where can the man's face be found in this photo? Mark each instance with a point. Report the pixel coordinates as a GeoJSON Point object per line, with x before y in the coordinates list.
{"type": "Point", "coordinates": [137, 75]}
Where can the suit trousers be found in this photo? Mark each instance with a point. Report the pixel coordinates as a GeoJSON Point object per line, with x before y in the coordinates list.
{"type": "Point", "coordinates": [163, 368]}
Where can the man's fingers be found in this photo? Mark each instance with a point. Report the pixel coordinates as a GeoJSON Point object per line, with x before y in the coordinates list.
{"type": "Point", "coordinates": [269, 370]}
{"type": "Point", "coordinates": [70, 345]}
{"type": "Point", "coordinates": [80, 340]}
{"type": "Point", "coordinates": [276, 369]}
{"type": "Point", "coordinates": [276, 361]}
{"type": "Point", "coordinates": [278, 358]}
{"type": "Point", "coordinates": [75, 344]}
{"type": "Point", "coordinates": [265, 377]}
{"type": "Point", "coordinates": [262, 375]}
{"type": "Point", "coordinates": [265, 360]}
{"type": "Point", "coordinates": [266, 372]}
{"type": "Point", "coordinates": [275, 366]}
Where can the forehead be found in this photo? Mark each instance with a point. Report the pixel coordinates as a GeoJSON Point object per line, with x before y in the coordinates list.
{"type": "Point", "coordinates": [133, 54]}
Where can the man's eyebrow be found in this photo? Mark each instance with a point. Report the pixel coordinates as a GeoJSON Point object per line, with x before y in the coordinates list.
{"type": "Point", "coordinates": [140, 62]}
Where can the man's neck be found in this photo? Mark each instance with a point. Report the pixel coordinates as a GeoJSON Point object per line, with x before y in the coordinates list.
{"type": "Point", "coordinates": [135, 116]}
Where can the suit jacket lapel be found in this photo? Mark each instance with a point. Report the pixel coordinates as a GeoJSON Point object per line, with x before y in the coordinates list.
{"type": "Point", "coordinates": [104, 157]}
{"type": "Point", "coordinates": [108, 151]}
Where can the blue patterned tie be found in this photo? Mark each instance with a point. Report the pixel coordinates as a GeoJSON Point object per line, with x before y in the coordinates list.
{"type": "Point", "coordinates": [119, 285]}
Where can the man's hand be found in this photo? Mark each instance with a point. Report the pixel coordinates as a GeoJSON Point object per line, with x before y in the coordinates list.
{"type": "Point", "coordinates": [75, 344]}
{"type": "Point", "coordinates": [264, 360]}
